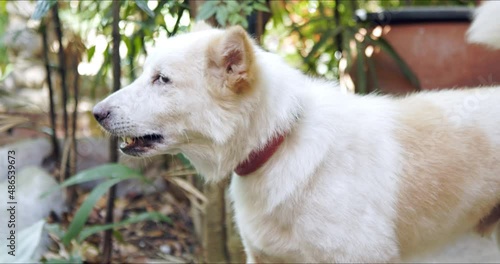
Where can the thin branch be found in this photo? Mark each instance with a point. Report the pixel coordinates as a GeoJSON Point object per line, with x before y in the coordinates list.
{"type": "Point", "coordinates": [55, 143]}
{"type": "Point", "coordinates": [178, 21]}
{"type": "Point", "coordinates": [108, 242]}
{"type": "Point", "coordinates": [336, 16]}
{"type": "Point", "coordinates": [71, 193]}
{"type": "Point", "coordinates": [61, 68]}
{"type": "Point", "coordinates": [62, 73]}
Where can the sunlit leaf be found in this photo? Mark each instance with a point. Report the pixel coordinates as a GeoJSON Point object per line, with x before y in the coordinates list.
{"type": "Point", "coordinates": [90, 53]}
{"type": "Point", "coordinates": [322, 41]}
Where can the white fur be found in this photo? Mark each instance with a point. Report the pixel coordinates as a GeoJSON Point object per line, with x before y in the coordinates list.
{"type": "Point", "coordinates": [485, 28]}
{"type": "Point", "coordinates": [330, 193]}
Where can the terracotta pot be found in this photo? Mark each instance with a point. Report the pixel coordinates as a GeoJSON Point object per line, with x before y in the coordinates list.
{"type": "Point", "coordinates": [432, 42]}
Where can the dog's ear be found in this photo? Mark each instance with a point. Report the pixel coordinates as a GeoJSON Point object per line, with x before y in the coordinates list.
{"type": "Point", "coordinates": [231, 58]}
{"type": "Point", "coordinates": [200, 26]}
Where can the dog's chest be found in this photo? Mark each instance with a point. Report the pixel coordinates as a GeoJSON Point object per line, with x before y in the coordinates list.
{"type": "Point", "coordinates": [272, 233]}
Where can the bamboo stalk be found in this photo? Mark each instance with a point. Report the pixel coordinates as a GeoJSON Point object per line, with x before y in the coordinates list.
{"type": "Point", "coordinates": [113, 154]}
{"type": "Point", "coordinates": [73, 155]}
{"type": "Point", "coordinates": [336, 16]}
{"type": "Point", "coordinates": [55, 144]}
{"type": "Point", "coordinates": [62, 73]}
{"type": "Point", "coordinates": [61, 68]}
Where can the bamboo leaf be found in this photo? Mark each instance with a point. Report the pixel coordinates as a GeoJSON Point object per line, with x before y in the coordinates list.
{"type": "Point", "coordinates": [154, 216]}
{"type": "Point", "coordinates": [361, 76]}
{"type": "Point", "coordinates": [106, 171]}
{"type": "Point", "coordinates": [405, 69]}
{"type": "Point", "coordinates": [83, 212]}
{"type": "Point", "coordinates": [323, 39]}
{"type": "Point", "coordinates": [41, 8]}
{"type": "Point", "coordinates": [373, 73]}
{"type": "Point", "coordinates": [143, 4]}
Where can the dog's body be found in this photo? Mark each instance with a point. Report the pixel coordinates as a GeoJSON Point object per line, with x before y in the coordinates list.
{"type": "Point", "coordinates": [357, 178]}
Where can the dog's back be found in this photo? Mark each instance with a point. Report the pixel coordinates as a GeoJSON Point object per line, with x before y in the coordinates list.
{"type": "Point", "coordinates": [485, 30]}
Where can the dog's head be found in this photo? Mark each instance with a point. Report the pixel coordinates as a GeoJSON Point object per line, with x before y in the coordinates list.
{"type": "Point", "coordinates": [193, 90]}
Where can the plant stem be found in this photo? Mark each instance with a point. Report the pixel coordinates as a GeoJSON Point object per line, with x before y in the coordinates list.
{"type": "Point", "coordinates": [61, 68]}
{"type": "Point", "coordinates": [55, 143]}
{"type": "Point", "coordinates": [62, 73]}
{"type": "Point", "coordinates": [113, 154]}
{"type": "Point", "coordinates": [73, 159]}
{"type": "Point", "coordinates": [336, 16]}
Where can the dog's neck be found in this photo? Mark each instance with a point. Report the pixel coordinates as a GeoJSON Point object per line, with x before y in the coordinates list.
{"type": "Point", "coordinates": [277, 105]}
{"type": "Point", "coordinates": [259, 157]}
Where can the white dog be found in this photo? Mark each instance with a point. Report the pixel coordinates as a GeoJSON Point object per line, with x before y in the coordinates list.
{"type": "Point", "coordinates": [321, 175]}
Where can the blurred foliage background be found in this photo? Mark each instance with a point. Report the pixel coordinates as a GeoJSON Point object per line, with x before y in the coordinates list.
{"type": "Point", "coordinates": [46, 73]}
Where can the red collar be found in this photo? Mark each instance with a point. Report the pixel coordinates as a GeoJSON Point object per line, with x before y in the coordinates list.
{"type": "Point", "coordinates": [258, 157]}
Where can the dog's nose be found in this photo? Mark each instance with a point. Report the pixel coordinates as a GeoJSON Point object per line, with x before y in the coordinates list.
{"type": "Point", "coordinates": [100, 113]}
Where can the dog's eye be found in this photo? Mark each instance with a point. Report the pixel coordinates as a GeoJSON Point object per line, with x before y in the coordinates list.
{"type": "Point", "coordinates": [160, 79]}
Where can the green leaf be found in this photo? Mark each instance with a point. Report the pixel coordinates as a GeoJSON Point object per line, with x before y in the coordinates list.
{"type": "Point", "coordinates": [83, 212]}
{"type": "Point", "coordinates": [55, 229]}
{"type": "Point", "coordinates": [243, 22]}
{"type": "Point", "coordinates": [247, 10]}
{"type": "Point", "coordinates": [277, 12]}
{"type": "Point", "coordinates": [207, 10]}
{"type": "Point", "coordinates": [61, 261]}
{"type": "Point", "coordinates": [361, 86]}
{"type": "Point", "coordinates": [233, 7]}
{"type": "Point", "coordinates": [221, 16]}
{"type": "Point", "coordinates": [90, 53]}
{"type": "Point", "coordinates": [106, 171]}
{"type": "Point", "coordinates": [405, 69]}
{"type": "Point", "coordinates": [260, 6]}
{"type": "Point", "coordinates": [143, 4]}
{"type": "Point", "coordinates": [41, 8]}
{"type": "Point", "coordinates": [234, 18]}
{"type": "Point", "coordinates": [322, 40]}
{"type": "Point", "coordinates": [373, 73]}
{"type": "Point", "coordinates": [154, 216]}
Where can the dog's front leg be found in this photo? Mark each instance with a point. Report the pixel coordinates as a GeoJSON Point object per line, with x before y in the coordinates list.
{"type": "Point", "coordinates": [252, 255]}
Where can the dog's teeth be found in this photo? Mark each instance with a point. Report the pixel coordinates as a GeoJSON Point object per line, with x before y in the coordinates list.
{"type": "Point", "coordinates": [128, 140]}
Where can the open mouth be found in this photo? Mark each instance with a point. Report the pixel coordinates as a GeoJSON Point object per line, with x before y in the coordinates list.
{"type": "Point", "coordinates": [136, 145]}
